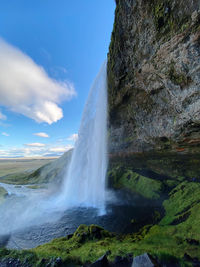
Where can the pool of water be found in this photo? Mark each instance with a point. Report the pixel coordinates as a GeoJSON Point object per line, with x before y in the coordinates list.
{"type": "Point", "coordinates": [121, 211]}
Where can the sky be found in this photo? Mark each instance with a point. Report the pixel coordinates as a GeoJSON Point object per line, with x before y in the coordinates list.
{"type": "Point", "coordinates": [50, 53]}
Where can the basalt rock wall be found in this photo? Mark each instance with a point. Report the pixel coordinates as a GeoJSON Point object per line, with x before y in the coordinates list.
{"type": "Point", "coordinates": [154, 77]}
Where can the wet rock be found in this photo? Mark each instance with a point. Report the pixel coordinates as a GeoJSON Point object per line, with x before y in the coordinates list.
{"type": "Point", "coordinates": [108, 252]}
{"type": "Point", "coordinates": [122, 261]}
{"type": "Point", "coordinates": [195, 261]}
{"type": "Point", "coordinates": [192, 242]}
{"type": "Point", "coordinates": [101, 262]}
{"type": "Point", "coordinates": [9, 262]}
{"type": "Point", "coordinates": [143, 261]}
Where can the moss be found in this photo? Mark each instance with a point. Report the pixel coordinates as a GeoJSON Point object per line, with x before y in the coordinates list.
{"type": "Point", "coordinates": [180, 79]}
{"type": "Point", "coordinates": [171, 183]}
{"type": "Point", "coordinates": [23, 256]}
{"type": "Point", "coordinates": [182, 199]}
{"type": "Point", "coordinates": [166, 21]}
{"type": "Point", "coordinates": [134, 182]}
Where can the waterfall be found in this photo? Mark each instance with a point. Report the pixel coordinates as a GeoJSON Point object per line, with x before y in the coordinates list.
{"type": "Point", "coordinates": [84, 184]}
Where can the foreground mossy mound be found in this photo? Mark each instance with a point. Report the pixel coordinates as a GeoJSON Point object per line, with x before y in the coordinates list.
{"type": "Point", "coordinates": [175, 237]}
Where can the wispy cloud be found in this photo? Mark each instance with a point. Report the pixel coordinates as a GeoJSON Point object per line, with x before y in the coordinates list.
{"type": "Point", "coordinates": [35, 145]}
{"type": "Point", "coordinates": [73, 137]}
{"type": "Point", "coordinates": [26, 88]}
{"type": "Point", "coordinates": [34, 151]}
{"type": "Point", "coordinates": [5, 134]}
{"type": "Point", "coordinates": [2, 116]}
{"type": "Point", "coordinates": [61, 149]}
{"type": "Point", "coordinates": [44, 135]}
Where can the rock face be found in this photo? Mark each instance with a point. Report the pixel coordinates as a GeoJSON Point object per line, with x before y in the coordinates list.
{"type": "Point", "coordinates": [154, 76]}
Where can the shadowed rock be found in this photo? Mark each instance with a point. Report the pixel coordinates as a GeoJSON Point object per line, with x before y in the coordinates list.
{"type": "Point", "coordinates": [142, 261]}
{"type": "Point", "coordinates": [101, 262]}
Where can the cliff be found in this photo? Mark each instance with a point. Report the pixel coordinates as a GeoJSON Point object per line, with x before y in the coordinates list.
{"type": "Point", "coordinates": [154, 76]}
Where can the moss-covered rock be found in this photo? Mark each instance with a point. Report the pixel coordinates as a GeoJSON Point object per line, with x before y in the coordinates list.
{"type": "Point", "coordinates": [136, 183]}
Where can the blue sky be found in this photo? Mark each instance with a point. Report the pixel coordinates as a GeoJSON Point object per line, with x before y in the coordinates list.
{"type": "Point", "coordinates": [49, 51]}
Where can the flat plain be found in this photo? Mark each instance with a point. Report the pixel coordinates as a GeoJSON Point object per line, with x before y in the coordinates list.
{"type": "Point", "coordinates": [21, 165]}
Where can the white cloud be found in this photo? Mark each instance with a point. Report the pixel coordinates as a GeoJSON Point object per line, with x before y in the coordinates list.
{"type": "Point", "coordinates": [21, 152]}
{"type": "Point", "coordinates": [61, 149]}
{"type": "Point", "coordinates": [35, 145]}
{"type": "Point", "coordinates": [5, 134]}
{"type": "Point", "coordinates": [45, 135]}
{"type": "Point", "coordinates": [34, 151]}
{"type": "Point", "coordinates": [2, 116]}
{"type": "Point", "coordinates": [25, 87]}
{"type": "Point", "coordinates": [73, 137]}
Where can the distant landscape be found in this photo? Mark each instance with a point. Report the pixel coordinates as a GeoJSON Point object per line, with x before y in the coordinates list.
{"type": "Point", "coordinates": [11, 166]}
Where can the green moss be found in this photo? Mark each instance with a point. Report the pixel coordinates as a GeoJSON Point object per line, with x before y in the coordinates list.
{"type": "Point", "coordinates": [182, 199]}
{"type": "Point", "coordinates": [180, 79]}
{"type": "Point", "coordinates": [24, 256]}
{"type": "Point", "coordinates": [175, 229]}
{"type": "Point", "coordinates": [134, 182]}
{"type": "Point", "coordinates": [171, 183]}
{"type": "Point", "coordinates": [166, 21]}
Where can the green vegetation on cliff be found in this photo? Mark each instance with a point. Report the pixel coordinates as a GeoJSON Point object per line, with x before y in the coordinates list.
{"type": "Point", "coordinates": [134, 182]}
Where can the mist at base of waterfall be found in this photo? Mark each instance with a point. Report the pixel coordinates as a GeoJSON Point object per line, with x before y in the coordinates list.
{"type": "Point", "coordinates": [121, 210]}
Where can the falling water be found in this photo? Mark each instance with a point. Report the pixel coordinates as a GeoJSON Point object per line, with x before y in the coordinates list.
{"type": "Point", "coordinates": [84, 184]}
